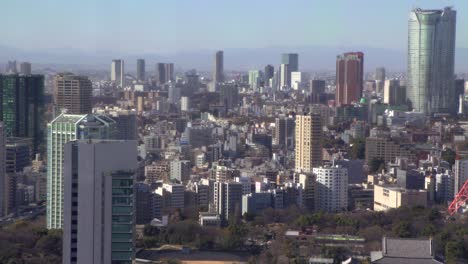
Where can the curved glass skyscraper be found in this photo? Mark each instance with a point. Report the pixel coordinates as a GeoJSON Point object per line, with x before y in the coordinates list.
{"type": "Point", "coordinates": [431, 58]}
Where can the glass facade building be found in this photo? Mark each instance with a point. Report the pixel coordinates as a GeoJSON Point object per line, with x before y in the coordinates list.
{"type": "Point", "coordinates": [60, 131]}
{"type": "Point", "coordinates": [22, 106]}
{"type": "Point", "coordinates": [431, 57]}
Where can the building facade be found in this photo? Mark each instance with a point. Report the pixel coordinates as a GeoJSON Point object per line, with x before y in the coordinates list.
{"type": "Point", "coordinates": [308, 145]}
{"type": "Point", "coordinates": [349, 78]}
{"type": "Point", "coordinates": [60, 131]}
{"type": "Point", "coordinates": [431, 60]}
{"type": "Point", "coordinates": [99, 202]}
{"type": "Point", "coordinates": [73, 93]}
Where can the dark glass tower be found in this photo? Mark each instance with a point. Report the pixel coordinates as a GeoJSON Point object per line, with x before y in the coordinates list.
{"type": "Point", "coordinates": [22, 106]}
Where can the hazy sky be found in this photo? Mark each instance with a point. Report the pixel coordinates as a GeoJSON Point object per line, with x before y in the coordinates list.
{"type": "Point", "coordinates": [156, 26]}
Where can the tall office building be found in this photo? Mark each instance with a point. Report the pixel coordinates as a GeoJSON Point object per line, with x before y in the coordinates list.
{"type": "Point", "coordinates": [118, 72]}
{"type": "Point", "coordinates": [332, 187]}
{"type": "Point", "coordinates": [431, 60]}
{"type": "Point", "coordinates": [22, 106]}
{"type": "Point", "coordinates": [255, 79]}
{"type": "Point", "coordinates": [61, 130]}
{"type": "Point", "coordinates": [164, 72]}
{"type": "Point", "coordinates": [285, 76]}
{"type": "Point", "coordinates": [292, 59]}
{"type": "Point", "coordinates": [229, 95]}
{"type": "Point", "coordinates": [269, 72]}
{"type": "Point", "coordinates": [2, 170]}
{"type": "Point", "coordinates": [393, 94]}
{"type": "Point", "coordinates": [218, 74]}
{"type": "Point", "coordinates": [25, 68]}
{"type": "Point", "coordinates": [227, 200]}
{"type": "Point", "coordinates": [296, 80]}
{"type": "Point", "coordinates": [73, 93]}
{"type": "Point", "coordinates": [99, 202]}
{"type": "Point", "coordinates": [349, 78]}
{"type": "Point", "coordinates": [380, 74]}
{"type": "Point", "coordinates": [140, 70]}
{"type": "Point", "coordinates": [291, 64]}
{"type": "Point", "coordinates": [284, 132]}
{"type": "Point", "coordinates": [308, 152]}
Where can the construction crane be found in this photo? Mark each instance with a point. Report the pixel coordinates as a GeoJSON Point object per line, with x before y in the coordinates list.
{"type": "Point", "coordinates": [460, 200]}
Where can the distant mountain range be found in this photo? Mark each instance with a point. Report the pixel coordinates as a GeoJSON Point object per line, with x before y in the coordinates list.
{"type": "Point", "coordinates": [311, 58]}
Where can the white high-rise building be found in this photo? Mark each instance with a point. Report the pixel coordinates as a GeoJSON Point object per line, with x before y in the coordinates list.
{"type": "Point", "coordinates": [460, 174]}
{"type": "Point", "coordinates": [118, 73]}
{"type": "Point", "coordinates": [60, 131]}
{"type": "Point", "coordinates": [431, 60]}
{"type": "Point", "coordinates": [391, 92]}
{"type": "Point", "coordinates": [227, 199]}
{"type": "Point", "coordinates": [296, 80]}
{"type": "Point", "coordinates": [284, 76]}
{"type": "Point", "coordinates": [184, 103]}
{"type": "Point", "coordinates": [332, 187]}
{"type": "Point", "coordinates": [99, 211]}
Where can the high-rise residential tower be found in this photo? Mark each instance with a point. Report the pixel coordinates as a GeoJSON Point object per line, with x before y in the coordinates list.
{"type": "Point", "coordinates": [99, 202]}
{"type": "Point", "coordinates": [61, 130]}
{"type": "Point", "coordinates": [308, 152]}
{"type": "Point", "coordinates": [117, 72]}
{"type": "Point", "coordinates": [22, 106]}
{"type": "Point", "coordinates": [73, 93]}
{"type": "Point", "coordinates": [431, 60]}
{"type": "Point", "coordinates": [140, 70]}
{"type": "Point", "coordinates": [349, 78]}
{"type": "Point", "coordinates": [218, 74]}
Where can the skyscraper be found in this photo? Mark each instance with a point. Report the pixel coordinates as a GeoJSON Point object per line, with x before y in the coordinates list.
{"type": "Point", "coordinates": [25, 68]}
{"type": "Point", "coordinates": [218, 74]}
{"type": "Point", "coordinates": [349, 78]}
{"type": "Point", "coordinates": [269, 72]}
{"type": "Point", "coordinates": [291, 64]}
{"type": "Point", "coordinates": [380, 74]}
{"type": "Point", "coordinates": [308, 142]}
{"type": "Point", "coordinates": [61, 130]}
{"type": "Point", "coordinates": [292, 59]}
{"type": "Point", "coordinates": [164, 72]}
{"type": "Point", "coordinates": [22, 106]}
{"type": "Point", "coordinates": [73, 93]}
{"type": "Point", "coordinates": [431, 60]}
{"type": "Point", "coordinates": [285, 76]}
{"type": "Point", "coordinates": [140, 70]}
{"type": "Point", "coordinates": [11, 67]}
{"type": "Point", "coordinates": [118, 73]}
{"type": "Point", "coordinates": [2, 170]}
{"type": "Point", "coordinates": [255, 78]}
{"type": "Point", "coordinates": [392, 92]}
{"type": "Point", "coordinates": [99, 202]}
{"type": "Point", "coordinates": [229, 95]}
{"type": "Point", "coordinates": [227, 198]}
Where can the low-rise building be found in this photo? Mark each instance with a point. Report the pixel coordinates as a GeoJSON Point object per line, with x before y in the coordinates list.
{"type": "Point", "coordinates": [389, 197]}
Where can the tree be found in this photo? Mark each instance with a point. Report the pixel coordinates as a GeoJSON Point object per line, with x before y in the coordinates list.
{"type": "Point", "coordinates": [402, 229]}
{"type": "Point", "coordinates": [376, 164]}
{"type": "Point", "coordinates": [358, 149]}
{"type": "Point", "coordinates": [453, 251]}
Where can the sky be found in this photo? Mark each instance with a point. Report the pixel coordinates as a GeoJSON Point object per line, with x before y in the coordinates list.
{"type": "Point", "coordinates": [166, 26]}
